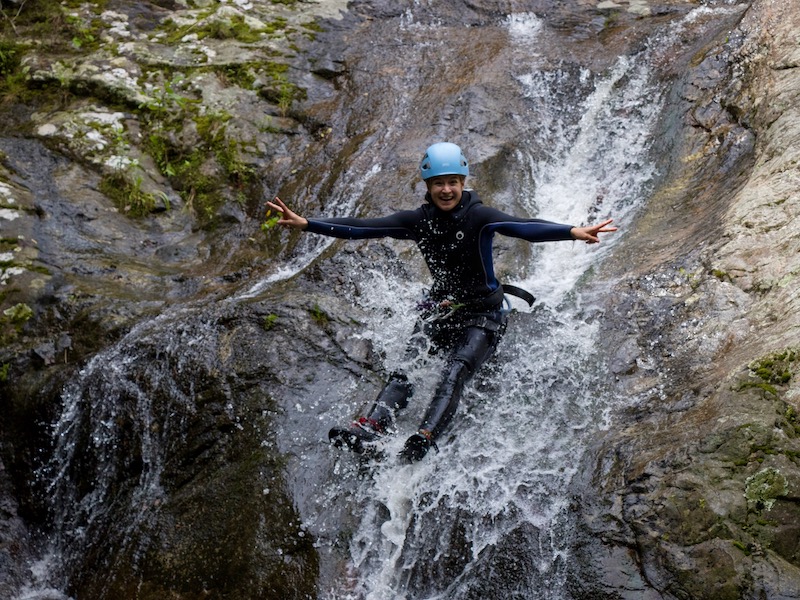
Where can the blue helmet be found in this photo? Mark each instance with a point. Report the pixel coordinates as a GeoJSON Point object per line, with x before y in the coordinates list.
{"type": "Point", "coordinates": [443, 158]}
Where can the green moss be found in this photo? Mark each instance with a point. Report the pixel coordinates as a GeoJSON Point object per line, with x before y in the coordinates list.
{"type": "Point", "coordinates": [313, 26]}
{"type": "Point", "coordinates": [85, 35]}
{"type": "Point", "coordinates": [13, 78]}
{"type": "Point", "coordinates": [10, 57]}
{"type": "Point", "coordinates": [777, 367]}
{"type": "Point", "coordinates": [759, 385]}
{"type": "Point", "coordinates": [199, 186]}
{"type": "Point", "coordinates": [745, 548]}
{"type": "Point", "coordinates": [311, 29]}
{"type": "Point", "coordinates": [771, 372]}
{"type": "Point", "coordinates": [721, 275]}
{"type": "Point", "coordinates": [233, 28]}
{"type": "Point", "coordinates": [277, 26]}
{"type": "Point", "coordinates": [169, 104]}
{"type": "Point", "coordinates": [763, 488]}
{"type": "Point", "coordinates": [279, 90]}
{"type": "Point", "coordinates": [269, 321]}
{"type": "Point", "coordinates": [242, 75]}
{"type": "Point", "coordinates": [18, 314]}
{"type": "Point", "coordinates": [205, 174]}
{"type": "Point", "coordinates": [320, 316]}
{"type": "Point", "coordinates": [126, 192]}
{"type": "Point", "coordinates": [50, 23]}
{"type": "Point", "coordinates": [56, 32]}
{"type": "Point", "coordinates": [211, 126]}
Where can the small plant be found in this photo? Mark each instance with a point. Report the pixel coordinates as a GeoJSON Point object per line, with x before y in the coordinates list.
{"type": "Point", "coordinates": [771, 372]}
{"type": "Point", "coordinates": [10, 55]}
{"type": "Point", "coordinates": [84, 37]}
{"type": "Point", "coordinates": [286, 91]}
{"type": "Point", "coordinates": [19, 313]}
{"type": "Point", "coordinates": [776, 368]}
{"type": "Point", "coordinates": [319, 315]}
{"type": "Point", "coordinates": [127, 193]}
{"type": "Point", "coordinates": [234, 28]}
{"type": "Point", "coordinates": [4, 372]}
{"type": "Point", "coordinates": [721, 275]}
{"type": "Point", "coordinates": [164, 200]}
{"type": "Point", "coordinates": [269, 321]}
{"type": "Point", "coordinates": [13, 76]}
{"type": "Point", "coordinates": [167, 100]}
{"type": "Point", "coordinates": [270, 220]}
{"type": "Point", "coordinates": [280, 90]}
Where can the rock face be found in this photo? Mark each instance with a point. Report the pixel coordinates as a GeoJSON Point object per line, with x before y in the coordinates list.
{"type": "Point", "coordinates": [694, 491]}
{"type": "Point", "coordinates": [134, 141]}
{"type": "Point", "coordinates": [145, 322]}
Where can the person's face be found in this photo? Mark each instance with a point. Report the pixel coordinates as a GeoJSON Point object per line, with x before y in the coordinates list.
{"type": "Point", "coordinates": [445, 191]}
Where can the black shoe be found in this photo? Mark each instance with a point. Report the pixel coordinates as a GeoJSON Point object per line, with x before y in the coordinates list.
{"type": "Point", "coordinates": [416, 448]}
{"type": "Point", "coordinates": [354, 437]}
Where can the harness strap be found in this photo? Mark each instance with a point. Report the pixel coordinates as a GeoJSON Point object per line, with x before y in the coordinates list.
{"type": "Point", "coordinates": [519, 293]}
{"type": "Point", "coordinates": [439, 312]}
{"type": "Point", "coordinates": [485, 322]}
{"type": "Point", "coordinates": [496, 297]}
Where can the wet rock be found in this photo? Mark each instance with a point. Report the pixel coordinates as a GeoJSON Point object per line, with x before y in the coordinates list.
{"type": "Point", "coordinates": [15, 541]}
{"type": "Point", "coordinates": [686, 497]}
{"type": "Point", "coordinates": [46, 353]}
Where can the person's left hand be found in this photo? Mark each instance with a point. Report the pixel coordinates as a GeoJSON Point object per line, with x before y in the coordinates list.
{"type": "Point", "coordinates": [589, 234]}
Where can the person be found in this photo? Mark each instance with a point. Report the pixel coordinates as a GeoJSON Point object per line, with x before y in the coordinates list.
{"type": "Point", "coordinates": [464, 314]}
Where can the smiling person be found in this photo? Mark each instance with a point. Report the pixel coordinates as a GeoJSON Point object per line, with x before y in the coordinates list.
{"type": "Point", "coordinates": [464, 315]}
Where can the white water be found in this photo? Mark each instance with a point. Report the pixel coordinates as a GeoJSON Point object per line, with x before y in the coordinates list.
{"type": "Point", "coordinates": [105, 398]}
{"type": "Point", "coordinates": [501, 480]}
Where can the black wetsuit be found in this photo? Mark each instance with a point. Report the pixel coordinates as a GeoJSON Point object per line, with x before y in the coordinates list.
{"type": "Point", "coordinates": [457, 247]}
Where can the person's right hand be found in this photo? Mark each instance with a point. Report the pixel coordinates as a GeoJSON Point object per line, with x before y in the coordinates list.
{"type": "Point", "coordinates": [288, 218]}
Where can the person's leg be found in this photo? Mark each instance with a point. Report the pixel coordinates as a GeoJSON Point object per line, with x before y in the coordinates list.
{"type": "Point", "coordinates": [475, 346]}
{"type": "Point", "coordinates": [395, 394]}
{"type": "Point", "coordinates": [365, 429]}
{"type": "Point", "coordinates": [392, 398]}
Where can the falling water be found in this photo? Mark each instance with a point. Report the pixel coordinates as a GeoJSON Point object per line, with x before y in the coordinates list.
{"type": "Point", "coordinates": [109, 425]}
{"type": "Point", "coordinates": [488, 516]}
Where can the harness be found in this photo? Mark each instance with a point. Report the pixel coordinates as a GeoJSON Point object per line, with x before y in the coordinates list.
{"type": "Point", "coordinates": [444, 310]}
{"type": "Point", "coordinates": [498, 296]}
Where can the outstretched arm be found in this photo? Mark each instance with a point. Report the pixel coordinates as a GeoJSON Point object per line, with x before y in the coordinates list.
{"type": "Point", "coordinates": [589, 233]}
{"type": "Point", "coordinates": [288, 218]}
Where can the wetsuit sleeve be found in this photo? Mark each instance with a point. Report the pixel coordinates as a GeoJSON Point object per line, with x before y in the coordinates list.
{"type": "Point", "coordinates": [531, 230]}
{"type": "Point", "coordinates": [398, 226]}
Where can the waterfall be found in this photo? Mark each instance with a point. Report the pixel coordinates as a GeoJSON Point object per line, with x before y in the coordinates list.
{"type": "Point", "coordinates": [489, 515]}
{"type": "Point", "coordinates": [110, 426]}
